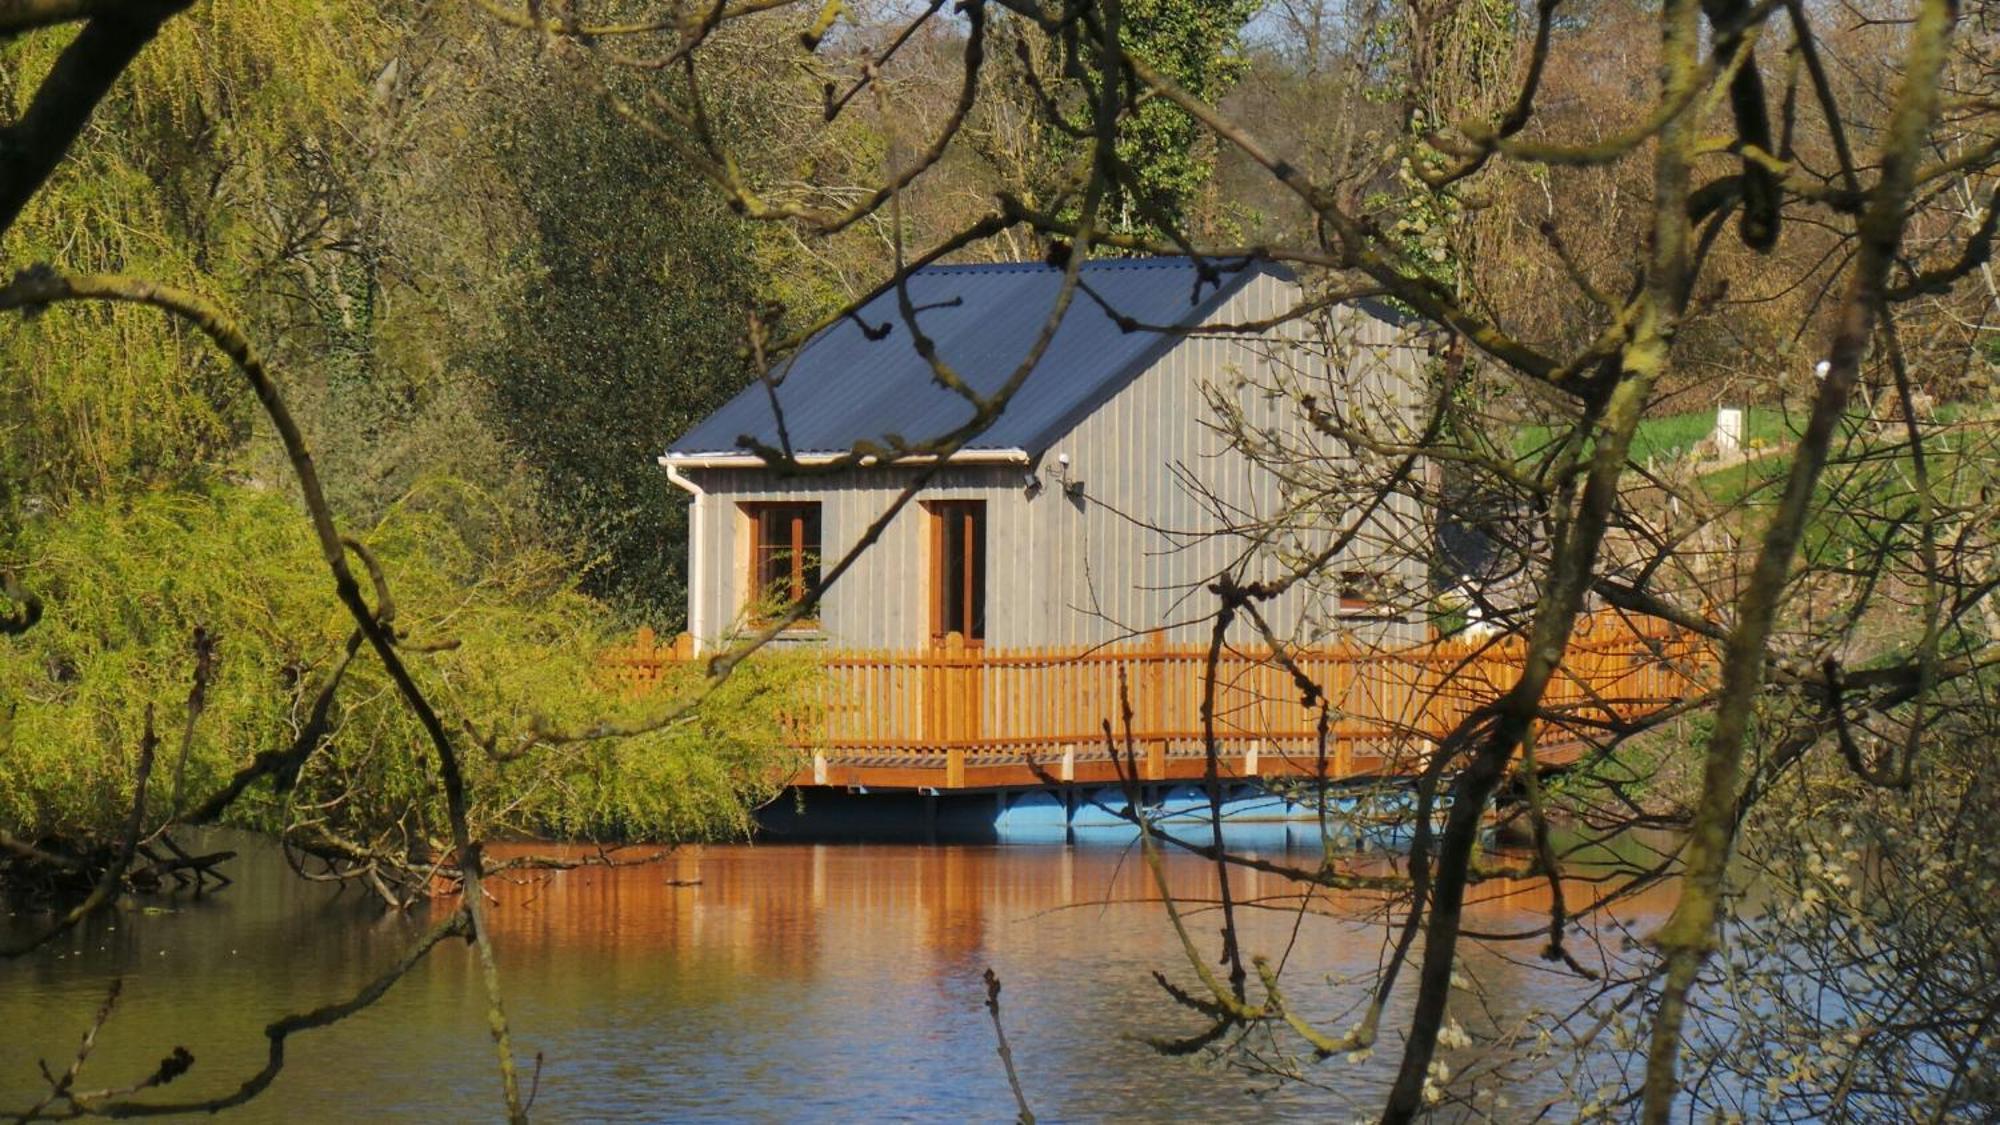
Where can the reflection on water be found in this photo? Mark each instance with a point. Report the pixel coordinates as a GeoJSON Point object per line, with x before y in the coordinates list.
{"type": "Point", "coordinates": [766, 982]}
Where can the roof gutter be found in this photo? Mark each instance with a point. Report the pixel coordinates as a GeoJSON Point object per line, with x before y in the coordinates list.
{"type": "Point", "coordinates": [676, 461]}
{"type": "Point", "coordinates": [696, 556]}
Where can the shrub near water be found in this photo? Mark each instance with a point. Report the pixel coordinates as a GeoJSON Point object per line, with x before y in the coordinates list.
{"type": "Point", "coordinates": [498, 645]}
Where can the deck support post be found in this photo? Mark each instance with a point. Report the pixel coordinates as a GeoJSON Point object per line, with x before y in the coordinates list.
{"type": "Point", "coordinates": [1156, 760]}
{"type": "Point", "coordinates": [1068, 764]}
{"type": "Point", "coordinates": [819, 767]}
{"type": "Point", "coordinates": [954, 769]}
{"type": "Point", "coordinates": [1250, 758]}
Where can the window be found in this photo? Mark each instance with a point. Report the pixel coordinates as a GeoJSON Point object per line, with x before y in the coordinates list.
{"type": "Point", "coordinates": [1361, 593]}
{"type": "Point", "coordinates": [958, 570]}
{"type": "Point", "coordinates": [784, 555]}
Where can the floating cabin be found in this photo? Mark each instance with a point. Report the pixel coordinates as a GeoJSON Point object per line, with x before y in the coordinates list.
{"type": "Point", "coordinates": [1094, 511]}
{"type": "Point", "coordinates": [1054, 572]}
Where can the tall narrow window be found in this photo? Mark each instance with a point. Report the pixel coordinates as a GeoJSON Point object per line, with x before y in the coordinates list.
{"type": "Point", "coordinates": [958, 569]}
{"type": "Point", "coordinates": [784, 555]}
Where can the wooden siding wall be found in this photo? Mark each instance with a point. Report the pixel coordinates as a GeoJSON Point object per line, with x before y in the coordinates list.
{"type": "Point", "coordinates": [1062, 570]}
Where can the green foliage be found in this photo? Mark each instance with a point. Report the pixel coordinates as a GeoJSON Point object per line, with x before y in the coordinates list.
{"type": "Point", "coordinates": [1167, 157]}
{"type": "Point", "coordinates": [1449, 620]}
{"type": "Point", "coordinates": [1660, 769]}
{"type": "Point", "coordinates": [1166, 150]}
{"type": "Point", "coordinates": [303, 163]}
{"type": "Point", "coordinates": [498, 643]}
{"type": "Point", "coordinates": [223, 162]}
{"type": "Point", "coordinates": [106, 398]}
{"type": "Point", "coordinates": [1421, 228]}
{"type": "Point", "coordinates": [110, 396]}
{"type": "Point", "coordinates": [629, 332]}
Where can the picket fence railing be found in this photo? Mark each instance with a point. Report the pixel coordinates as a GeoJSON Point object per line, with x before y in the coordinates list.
{"type": "Point", "coordinates": [963, 698]}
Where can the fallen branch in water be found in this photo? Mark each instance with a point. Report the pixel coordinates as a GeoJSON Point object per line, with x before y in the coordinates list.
{"type": "Point", "coordinates": [113, 876]}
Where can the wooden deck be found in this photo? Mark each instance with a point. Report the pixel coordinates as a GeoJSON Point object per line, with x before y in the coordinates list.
{"type": "Point", "coordinates": [965, 717]}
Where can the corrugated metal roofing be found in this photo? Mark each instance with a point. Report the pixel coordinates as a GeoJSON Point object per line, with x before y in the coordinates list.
{"type": "Point", "coordinates": [843, 387]}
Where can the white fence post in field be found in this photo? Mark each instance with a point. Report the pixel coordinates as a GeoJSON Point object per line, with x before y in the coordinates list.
{"type": "Point", "coordinates": [1728, 430]}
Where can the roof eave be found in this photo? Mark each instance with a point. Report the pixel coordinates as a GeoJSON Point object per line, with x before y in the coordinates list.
{"type": "Point", "coordinates": [740, 460]}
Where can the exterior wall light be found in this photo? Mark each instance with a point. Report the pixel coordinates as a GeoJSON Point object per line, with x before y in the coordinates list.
{"type": "Point", "coordinates": [1072, 486]}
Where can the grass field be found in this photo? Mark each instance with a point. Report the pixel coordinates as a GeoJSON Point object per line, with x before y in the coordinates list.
{"type": "Point", "coordinates": [1867, 492]}
{"type": "Point", "coordinates": [1878, 456]}
{"type": "Point", "coordinates": [1672, 434]}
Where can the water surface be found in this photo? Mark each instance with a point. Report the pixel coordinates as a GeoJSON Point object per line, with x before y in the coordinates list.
{"type": "Point", "coordinates": [752, 982]}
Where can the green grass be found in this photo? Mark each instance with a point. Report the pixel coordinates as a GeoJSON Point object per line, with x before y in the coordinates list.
{"type": "Point", "coordinates": [1730, 485]}
{"type": "Point", "coordinates": [1673, 434]}
{"type": "Point", "coordinates": [1865, 495]}
{"type": "Point", "coordinates": [1948, 453]}
{"type": "Point", "coordinates": [1867, 491]}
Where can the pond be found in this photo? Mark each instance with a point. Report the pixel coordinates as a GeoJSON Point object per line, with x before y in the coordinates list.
{"type": "Point", "coordinates": [754, 982]}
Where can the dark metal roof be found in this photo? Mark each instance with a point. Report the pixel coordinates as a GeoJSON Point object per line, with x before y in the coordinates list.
{"type": "Point", "coordinates": [843, 387]}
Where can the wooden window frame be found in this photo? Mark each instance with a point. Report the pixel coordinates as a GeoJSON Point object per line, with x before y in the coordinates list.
{"type": "Point", "coordinates": [973, 585]}
{"type": "Point", "coordinates": [1351, 604]}
{"type": "Point", "coordinates": [803, 576]}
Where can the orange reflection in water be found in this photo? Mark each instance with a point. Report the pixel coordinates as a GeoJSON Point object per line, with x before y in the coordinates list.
{"type": "Point", "coordinates": [779, 908]}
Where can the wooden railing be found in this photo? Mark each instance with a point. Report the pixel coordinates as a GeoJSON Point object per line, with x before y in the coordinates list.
{"type": "Point", "coordinates": [968, 704]}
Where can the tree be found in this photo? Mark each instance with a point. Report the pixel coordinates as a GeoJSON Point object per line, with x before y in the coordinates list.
{"type": "Point", "coordinates": [630, 329]}
{"type": "Point", "coordinates": [1167, 158]}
